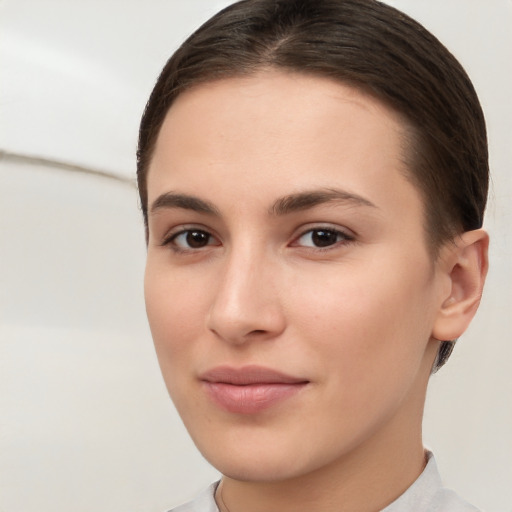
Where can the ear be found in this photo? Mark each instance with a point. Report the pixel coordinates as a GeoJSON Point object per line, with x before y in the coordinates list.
{"type": "Point", "coordinates": [465, 264]}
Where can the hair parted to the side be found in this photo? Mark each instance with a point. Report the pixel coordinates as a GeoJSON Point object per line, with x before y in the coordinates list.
{"type": "Point", "coordinates": [373, 47]}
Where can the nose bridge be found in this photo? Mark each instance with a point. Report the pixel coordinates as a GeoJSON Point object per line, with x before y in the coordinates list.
{"type": "Point", "coordinates": [246, 302]}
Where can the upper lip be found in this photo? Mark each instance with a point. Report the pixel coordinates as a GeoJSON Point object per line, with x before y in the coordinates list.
{"type": "Point", "coordinates": [250, 374]}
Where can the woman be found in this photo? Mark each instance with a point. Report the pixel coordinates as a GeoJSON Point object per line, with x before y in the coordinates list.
{"type": "Point", "coordinates": [313, 176]}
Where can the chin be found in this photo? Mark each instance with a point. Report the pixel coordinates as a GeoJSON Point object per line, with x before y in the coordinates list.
{"type": "Point", "coordinates": [247, 468]}
{"type": "Point", "coordinates": [263, 456]}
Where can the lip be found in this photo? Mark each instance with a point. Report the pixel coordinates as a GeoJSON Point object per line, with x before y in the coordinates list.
{"type": "Point", "coordinates": [249, 389]}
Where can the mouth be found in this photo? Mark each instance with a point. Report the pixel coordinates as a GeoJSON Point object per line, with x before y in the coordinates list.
{"type": "Point", "coordinates": [249, 389]}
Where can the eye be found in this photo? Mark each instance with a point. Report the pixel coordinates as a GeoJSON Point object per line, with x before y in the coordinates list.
{"type": "Point", "coordinates": [191, 239]}
{"type": "Point", "coordinates": [322, 237]}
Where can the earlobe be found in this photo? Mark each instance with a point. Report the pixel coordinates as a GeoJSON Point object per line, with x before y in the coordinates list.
{"type": "Point", "coordinates": [466, 264]}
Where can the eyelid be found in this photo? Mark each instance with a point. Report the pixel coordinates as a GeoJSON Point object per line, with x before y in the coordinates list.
{"type": "Point", "coordinates": [176, 231]}
{"type": "Point", "coordinates": [347, 234]}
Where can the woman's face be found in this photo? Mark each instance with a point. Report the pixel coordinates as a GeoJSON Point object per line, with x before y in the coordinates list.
{"type": "Point", "coordinates": [289, 288]}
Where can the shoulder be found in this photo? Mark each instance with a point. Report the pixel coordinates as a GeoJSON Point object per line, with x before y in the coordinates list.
{"type": "Point", "coordinates": [204, 502]}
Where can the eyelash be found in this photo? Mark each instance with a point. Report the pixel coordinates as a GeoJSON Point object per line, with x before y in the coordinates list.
{"type": "Point", "coordinates": [342, 238]}
{"type": "Point", "coordinates": [171, 240]}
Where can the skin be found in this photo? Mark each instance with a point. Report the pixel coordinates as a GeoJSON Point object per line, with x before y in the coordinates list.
{"type": "Point", "coordinates": [358, 319]}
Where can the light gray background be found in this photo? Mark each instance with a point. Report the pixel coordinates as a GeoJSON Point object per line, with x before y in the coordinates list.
{"type": "Point", "coordinates": [85, 422]}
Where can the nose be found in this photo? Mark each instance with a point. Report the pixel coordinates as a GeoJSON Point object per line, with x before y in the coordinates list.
{"type": "Point", "coordinates": [246, 305]}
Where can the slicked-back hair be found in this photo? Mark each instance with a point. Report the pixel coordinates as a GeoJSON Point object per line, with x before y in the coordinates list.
{"type": "Point", "coordinates": [373, 47]}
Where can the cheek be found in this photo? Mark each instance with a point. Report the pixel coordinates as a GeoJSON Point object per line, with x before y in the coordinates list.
{"type": "Point", "coordinates": [176, 313]}
{"type": "Point", "coordinates": [175, 318]}
{"type": "Point", "coordinates": [364, 321]}
{"type": "Point", "coordinates": [368, 344]}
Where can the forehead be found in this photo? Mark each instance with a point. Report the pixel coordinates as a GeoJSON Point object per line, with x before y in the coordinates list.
{"type": "Point", "coordinates": [276, 97]}
{"type": "Point", "coordinates": [274, 133]}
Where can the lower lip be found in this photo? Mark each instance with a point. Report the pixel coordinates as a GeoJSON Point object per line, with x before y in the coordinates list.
{"type": "Point", "coordinates": [252, 398]}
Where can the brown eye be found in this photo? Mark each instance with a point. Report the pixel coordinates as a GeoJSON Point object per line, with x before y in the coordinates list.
{"type": "Point", "coordinates": [196, 239]}
{"type": "Point", "coordinates": [321, 237]}
{"type": "Point", "coordinates": [193, 239]}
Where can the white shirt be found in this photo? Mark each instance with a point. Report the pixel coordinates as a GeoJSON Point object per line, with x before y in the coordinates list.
{"type": "Point", "coordinates": [426, 494]}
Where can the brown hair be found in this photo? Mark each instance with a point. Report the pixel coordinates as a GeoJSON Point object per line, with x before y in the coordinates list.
{"type": "Point", "coordinates": [364, 43]}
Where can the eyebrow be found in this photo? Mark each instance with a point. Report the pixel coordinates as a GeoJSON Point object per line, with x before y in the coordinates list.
{"type": "Point", "coordinates": [309, 199]}
{"type": "Point", "coordinates": [282, 206]}
{"type": "Point", "coordinates": [184, 201]}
